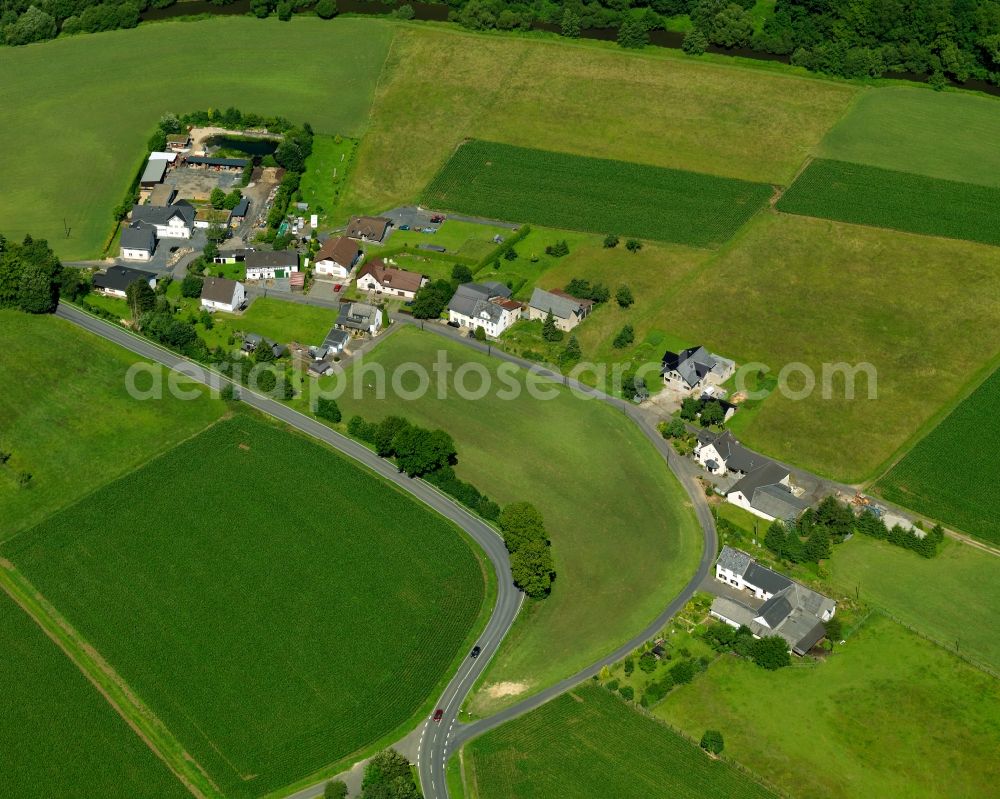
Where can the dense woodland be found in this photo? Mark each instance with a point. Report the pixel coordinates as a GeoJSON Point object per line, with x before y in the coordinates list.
{"type": "Point", "coordinates": [945, 39]}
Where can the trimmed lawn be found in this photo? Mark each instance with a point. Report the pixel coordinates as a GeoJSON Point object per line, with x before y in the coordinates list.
{"type": "Point", "coordinates": [869, 195]}
{"type": "Point", "coordinates": [948, 135]}
{"type": "Point", "coordinates": [947, 474]}
{"type": "Point", "coordinates": [58, 734]}
{"type": "Point", "coordinates": [274, 633]}
{"type": "Point", "coordinates": [582, 464]}
{"type": "Point", "coordinates": [794, 289]}
{"type": "Point", "coordinates": [326, 173]}
{"type": "Point", "coordinates": [78, 144]}
{"type": "Point", "coordinates": [590, 745]}
{"type": "Point", "coordinates": [465, 239]}
{"type": "Point", "coordinates": [598, 195]}
{"type": "Point", "coordinates": [641, 107]}
{"type": "Point", "coordinates": [279, 320]}
{"type": "Point", "coordinates": [67, 417]}
{"type": "Point", "coordinates": [949, 598]}
{"type": "Point", "coordinates": [889, 714]}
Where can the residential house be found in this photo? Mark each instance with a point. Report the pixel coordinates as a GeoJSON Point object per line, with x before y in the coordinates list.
{"type": "Point", "coordinates": [222, 294]}
{"type": "Point", "coordinates": [486, 305]}
{"type": "Point", "coordinates": [171, 222]}
{"type": "Point", "coordinates": [376, 276]}
{"type": "Point", "coordinates": [368, 228]}
{"type": "Point", "coordinates": [777, 605]}
{"type": "Point", "coordinates": [337, 257]}
{"type": "Point", "coordinates": [270, 264]}
{"type": "Point", "coordinates": [766, 491]}
{"type": "Point", "coordinates": [336, 341]}
{"type": "Point", "coordinates": [138, 242]}
{"type": "Point", "coordinates": [116, 279]}
{"type": "Point", "coordinates": [694, 368]}
{"type": "Point", "coordinates": [359, 318]}
{"type": "Point", "coordinates": [566, 310]}
{"type": "Point", "coordinates": [162, 195]}
{"type": "Point", "coordinates": [155, 169]}
{"type": "Point", "coordinates": [721, 453]}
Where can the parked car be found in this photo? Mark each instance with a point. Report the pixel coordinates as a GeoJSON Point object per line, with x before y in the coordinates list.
{"type": "Point", "coordinates": [453, 323]}
{"type": "Point", "coordinates": [338, 287]}
{"type": "Point", "coordinates": [429, 230]}
{"type": "Point", "coordinates": [404, 227]}
{"type": "Point", "coordinates": [438, 714]}
{"type": "Point", "coordinates": [475, 651]}
{"type": "Point", "coordinates": [437, 219]}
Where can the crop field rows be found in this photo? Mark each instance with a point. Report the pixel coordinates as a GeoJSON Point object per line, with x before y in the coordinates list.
{"type": "Point", "coordinates": [869, 195]}
{"type": "Point", "coordinates": [189, 577]}
{"type": "Point", "coordinates": [597, 195]}
{"type": "Point", "coordinates": [589, 744]}
{"type": "Point", "coordinates": [949, 474]}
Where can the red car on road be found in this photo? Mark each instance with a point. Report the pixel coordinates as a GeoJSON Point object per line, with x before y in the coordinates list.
{"type": "Point", "coordinates": [438, 714]}
{"type": "Point", "coordinates": [338, 287]}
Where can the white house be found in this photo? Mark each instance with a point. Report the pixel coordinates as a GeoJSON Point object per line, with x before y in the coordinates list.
{"type": "Point", "coordinates": [766, 491]}
{"type": "Point", "coordinates": [359, 318]}
{"type": "Point", "coordinates": [376, 276]}
{"type": "Point", "coordinates": [267, 265]}
{"type": "Point", "coordinates": [567, 311]}
{"type": "Point", "coordinates": [221, 294]}
{"type": "Point", "coordinates": [138, 242]}
{"type": "Point", "coordinates": [775, 605]}
{"type": "Point", "coordinates": [337, 257]}
{"type": "Point", "coordinates": [486, 305]}
{"type": "Point", "coordinates": [721, 453]}
{"type": "Point", "coordinates": [170, 222]}
{"type": "Point", "coordinates": [693, 368]}
{"type": "Point", "coordinates": [116, 279]}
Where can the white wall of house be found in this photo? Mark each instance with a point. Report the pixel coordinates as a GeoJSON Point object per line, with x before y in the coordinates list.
{"type": "Point", "coordinates": [737, 581]}
{"type": "Point", "coordinates": [135, 255]}
{"type": "Point", "coordinates": [239, 297]}
{"type": "Point", "coordinates": [369, 283]}
{"type": "Point", "coordinates": [720, 617]}
{"type": "Point", "coordinates": [269, 272]}
{"type": "Point", "coordinates": [493, 329]}
{"type": "Point", "coordinates": [704, 453]}
{"type": "Point", "coordinates": [741, 501]}
{"type": "Point", "coordinates": [174, 229]}
{"type": "Point", "coordinates": [111, 293]}
{"type": "Point", "coordinates": [331, 268]}
{"type": "Point", "coordinates": [562, 324]}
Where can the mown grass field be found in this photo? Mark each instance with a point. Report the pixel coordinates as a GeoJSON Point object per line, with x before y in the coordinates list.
{"type": "Point", "coordinates": [964, 583]}
{"type": "Point", "coordinates": [67, 417]}
{"type": "Point", "coordinates": [947, 474]}
{"type": "Point", "coordinates": [619, 560]}
{"type": "Point", "coordinates": [869, 195]}
{"type": "Point", "coordinates": [78, 144]}
{"type": "Point", "coordinates": [646, 108]}
{"type": "Point", "coordinates": [276, 606]}
{"type": "Point", "coordinates": [280, 320]}
{"type": "Point", "coordinates": [947, 135]}
{"type": "Point", "coordinates": [790, 289]}
{"type": "Point", "coordinates": [559, 190]}
{"type": "Point", "coordinates": [58, 734]}
{"type": "Point", "coordinates": [590, 745]}
{"type": "Point", "coordinates": [326, 174]}
{"type": "Point", "coordinates": [890, 714]}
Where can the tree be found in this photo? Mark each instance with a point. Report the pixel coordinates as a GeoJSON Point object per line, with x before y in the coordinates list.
{"type": "Point", "coordinates": [690, 408]}
{"type": "Point", "coordinates": [211, 251]}
{"type": "Point", "coordinates": [570, 25]}
{"type": "Point", "coordinates": [770, 652]}
{"type": "Point", "coordinates": [520, 521]}
{"type": "Point", "coordinates": [695, 42]}
{"type": "Point", "coordinates": [38, 292]}
{"type": "Point", "coordinates": [633, 245]}
{"type": "Point", "coordinates": [712, 413]}
{"type": "Point", "coordinates": [817, 546]}
{"type": "Point", "coordinates": [624, 338]}
{"type": "Point", "coordinates": [480, 333]}
{"type": "Point", "coordinates": [261, 8]}
{"type": "Point", "coordinates": [267, 381]}
{"type": "Point", "coordinates": [327, 408]}
{"type": "Point", "coordinates": [624, 296]}
{"type": "Point", "coordinates": [432, 299]}
{"type": "Point", "coordinates": [531, 569]}
{"type": "Point", "coordinates": [775, 538]}
{"type": "Point", "coordinates": [335, 789]}
{"type": "Point", "coordinates": [388, 776]}
{"type": "Point", "coordinates": [191, 286]}
{"type": "Point", "coordinates": [217, 198]}
{"type": "Point", "coordinates": [140, 298]}
{"type": "Point", "coordinates": [385, 432]}
{"type": "Point", "coordinates": [559, 249]}
{"type": "Point", "coordinates": [419, 451]}
{"type": "Point", "coordinates": [34, 25]}
{"type": "Point", "coordinates": [284, 10]}
{"type": "Point", "coordinates": [549, 330]}
{"type": "Point", "coordinates": [675, 428]}
{"type": "Point", "coordinates": [627, 692]}
{"type": "Point", "coordinates": [290, 155]}
{"type": "Point", "coordinates": [834, 629]}
{"type": "Point", "coordinates": [30, 275]}
{"type": "Point", "coordinates": [712, 742]}
{"type": "Point", "coordinates": [632, 33]}
{"type": "Point", "coordinates": [169, 123]}
{"type": "Point", "coordinates": [571, 353]}
{"type": "Point", "coordinates": [232, 199]}
{"type": "Point", "coordinates": [610, 241]}
{"type": "Point", "coordinates": [326, 9]}
{"type": "Point", "coordinates": [215, 233]}
{"type": "Point", "coordinates": [460, 273]}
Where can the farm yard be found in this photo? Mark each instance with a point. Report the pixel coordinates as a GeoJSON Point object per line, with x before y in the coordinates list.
{"type": "Point", "coordinates": [254, 621]}
{"type": "Point", "coordinates": [947, 474]}
{"type": "Point", "coordinates": [588, 744]}
{"type": "Point", "coordinates": [869, 195]}
{"type": "Point", "coordinates": [58, 735]}
{"type": "Point", "coordinates": [559, 190]}
{"type": "Point", "coordinates": [618, 562]}
{"type": "Point", "coordinates": [888, 714]}
{"type": "Point", "coordinates": [67, 419]}
{"type": "Point", "coordinates": [946, 135]}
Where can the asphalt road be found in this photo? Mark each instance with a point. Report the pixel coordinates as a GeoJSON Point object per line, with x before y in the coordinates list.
{"type": "Point", "coordinates": [437, 740]}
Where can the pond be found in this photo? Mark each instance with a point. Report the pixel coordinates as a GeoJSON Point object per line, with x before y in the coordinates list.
{"type": "Point", "coordinates": [247, 146]}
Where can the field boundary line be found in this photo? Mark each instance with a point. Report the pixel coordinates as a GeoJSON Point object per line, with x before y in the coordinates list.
{"type": "Point", "coordinates": [970, 661]}
{"type": "Point", "coordinates": [146, 725]}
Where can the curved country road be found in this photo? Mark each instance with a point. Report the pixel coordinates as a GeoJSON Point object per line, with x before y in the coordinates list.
{"type": "Point", "coordinates": [437, 740]}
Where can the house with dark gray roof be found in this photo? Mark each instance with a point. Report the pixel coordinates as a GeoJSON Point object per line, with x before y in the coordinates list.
{"type": "Point", "coordinates": [694, 368]}
{"type": "Point", "coordinates": [359, 318]}
{"type": "Point", "coordinates": [270, 264]}
{"type": "Point", "coordinates": [774, 605]}
{"type": "Point", "coordinates": [116, 279]}
{"type": "Point", "coordinates": [222, 294]}
{"type": "Point", "coordinates": [487, 305]}
{"type": "Point", "coordinates": [335, 342]}
{"type": "Point", "coordinates": [766, 491]}
{"type": "Point", "coordinates": [171, 222]}
{"type": "Point", "coordinates": [138, 242]}
{"type": "Point", "coordinates": [155, 169]}
{"type": "Point", "coordinates": [721, 453]}
{"type": "Point", "coordinates": [241, 210]}
{"type": "Point", "coordinates": [567, 311]}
